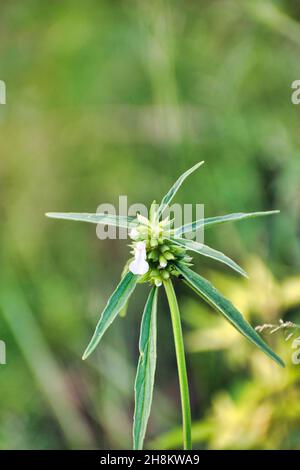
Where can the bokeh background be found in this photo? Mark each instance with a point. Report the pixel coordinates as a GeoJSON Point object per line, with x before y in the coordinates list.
{"type": "Point", "coordinates": [120, 97]}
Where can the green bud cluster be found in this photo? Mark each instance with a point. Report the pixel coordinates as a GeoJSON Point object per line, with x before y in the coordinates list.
{"type": "Point", "coordinates": [161, 253]}
{"type": "Point", "coordinates": [162, 261]}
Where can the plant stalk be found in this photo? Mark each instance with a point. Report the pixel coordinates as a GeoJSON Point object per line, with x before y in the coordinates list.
{"type": "Point", "coordinates": [181, 365]}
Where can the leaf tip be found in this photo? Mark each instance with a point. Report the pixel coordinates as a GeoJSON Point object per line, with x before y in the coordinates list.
{"type": "Point", "coordinates": [85, 355]}
{"type": "Point", "coordinates": [53, 215]}
{"type": "Point", "coordinates": [242, 272]}
{"type": "Point", "coordinates": [87, 352]}
{"type": "Point", "coordinates": [280, 362]}
{"type": "Point", "coordinates": [273, 212]}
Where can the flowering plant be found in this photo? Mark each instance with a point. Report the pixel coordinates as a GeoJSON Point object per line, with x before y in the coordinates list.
{"type": "Point", "coordinates": [160, 255]}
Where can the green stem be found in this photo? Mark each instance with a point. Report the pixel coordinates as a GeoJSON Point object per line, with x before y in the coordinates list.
{"type": "Point", "coordinates": [183, 381]}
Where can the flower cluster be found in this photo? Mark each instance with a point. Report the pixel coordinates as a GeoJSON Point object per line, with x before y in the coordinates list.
{"type": "Point", "coordinates": [155, 255]}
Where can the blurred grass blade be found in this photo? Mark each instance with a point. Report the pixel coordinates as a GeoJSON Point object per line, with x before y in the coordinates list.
{"type": "Point", "coordinates": [222, 219]}
{"type": "Point", "coordinates": [205, 250]}
{"type": "Point", "coordinates": [115, 303]}
{"type": "Point", "coordinates": [275, 18]}
{"type": "Point", "coordinates": [51, 379]}
{"type": "Point", "coordinates": [208, 292]}
{"type": "Point", "coordinates": [201, 432]}
{"type": "Point", "coordinates": [144, 381]}
{"type": "Point", "coordinates": [106, 219]}
{"type": "Point", "coordinates": [169, 196]}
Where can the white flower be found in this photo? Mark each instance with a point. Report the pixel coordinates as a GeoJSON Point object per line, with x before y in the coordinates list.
{"type": "Point", "coordinates": [139, 265]}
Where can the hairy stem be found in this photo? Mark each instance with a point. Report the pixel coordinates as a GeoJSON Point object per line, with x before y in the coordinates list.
{"type": "Point", "coordinates": [181, 365]}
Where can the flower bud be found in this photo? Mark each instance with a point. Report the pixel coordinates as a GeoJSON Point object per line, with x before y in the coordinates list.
{"type": "Point", "coordinates": [153, 242]}
{"type": "Point", "coordinates": [154, 254]}
{"type": "Point", "coordinates": [162, 261]}
{"type": "Point", "coordinates": [165, 275]}
{"type": "Point", "coordinates": [169, 256]}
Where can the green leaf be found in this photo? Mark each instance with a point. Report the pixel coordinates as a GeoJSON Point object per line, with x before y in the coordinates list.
{"type": "Point", "coordinates": [123, 311]}
{"type": "Point", "coordinates": [106, 219]}
{"type": "Point", "coordinates": [169, 196]}
{"type": "Point", "coordinates": [205, 250]}
{"type": "Point", "coordinates": [208, 292]}
{"type": "Point", "coordinates": [115, 303]}
{"type": "Point", "coordinates": [210, 221]}
{"type": "Point", "coordinates": [144, 381]}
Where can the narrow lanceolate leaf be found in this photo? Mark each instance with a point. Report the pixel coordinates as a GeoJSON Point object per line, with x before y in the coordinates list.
{"type": "Point", "coordinates": [208, 292]}
{"type": "Point", "coordinates": [123, 311]}
{"type": "Point", "coordinates": [205, 250]}
{"type": "Point", "coordinates": [144, 381]}
{"type": "Point", "coordinates": [115, 303]}
{"type": "Point", "coordinates": [222, 219]}
{"type": "Point", "coordinates": [106, 219]}
{"type": "Point", "coordinates": [169, 196]}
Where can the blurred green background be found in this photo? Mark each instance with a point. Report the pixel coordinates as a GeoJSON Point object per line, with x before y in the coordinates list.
{"type": "Point", "coordinates": [120, 97]}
